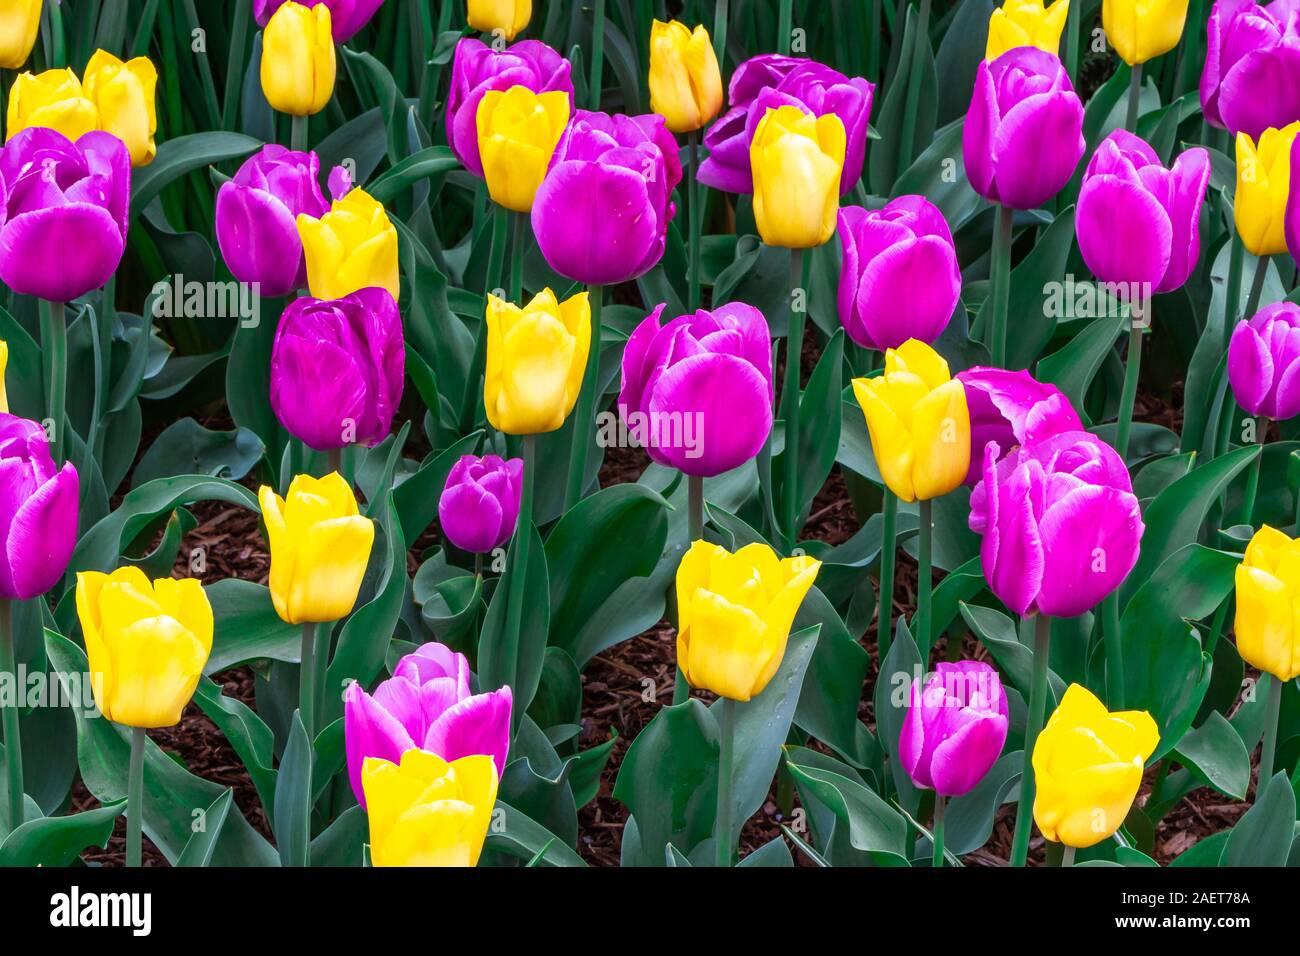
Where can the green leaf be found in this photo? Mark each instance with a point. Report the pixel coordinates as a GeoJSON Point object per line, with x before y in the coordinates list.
{"type": "Point", "coordinates": [968, 823]}
{"type": "Point", "coordinates": [1073, 367]}
{"type": "Point", "coordinates": [828, 702]}
{"type": "Point", "coordinates": [181, 155]}
{"type": "Point", "coordinates": [57, 841]}
{"type": "Point", "coordinates": [517, 834]}
{"type": "Point", "coordinates": [997, 632]}
{"type": "Point", "coordinates": [883, 161]}
{"type": "Point", "coordinates": [1216, 756]}
{"type": "Point", "coordinates": [1262, 837]}
{"type": "Point", "coordinates": [417, 497]}
{"type": "Point", "coordinates": [873, 826]}
{"type": "Point", "coordinates": [342, 843]}
{"type": "Point", "coordinates": [515, 660]}
{"type": "Point", "coordinates": [187, 448]}
{"type": "Point", "coordinates": [248, 735]}
{"type": "Point", "coordinates": [247, 627]}
{"type": "Point", "coordinates": [891, 697]}
{"type": "Point", "coordinates": [293, 797]}
{"type": "Point", "coordinates": [198, 851]}
{"type": "Point", "coordinates": [772, 853]}
{"type": "Point", "coordinates": [434, 161]}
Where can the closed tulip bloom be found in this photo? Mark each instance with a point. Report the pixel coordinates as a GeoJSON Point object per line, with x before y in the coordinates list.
{"type": "Point", "coordinates": [918, 420]}
{"type": "Point", "coordinates": [1026, 23]}
{"type": "Point", "coordinates": [19, 21]}
{"type": "Point", "coordinates": [900, 279]}
{"type": "Point", "coordinates": [507, 17]}
{"type": "Point", "coordinates": [426, 811]}
{"type": "Point", "coordinates": [796, 161]}
{"type": "Point", "coordinates": [1142, 30]}
{"type": "Point", "coordinates": [697, 393]}
{"type": "Point", "coordinates": [1010, 409]}
{"type": "Point", "coordinates": [1137, 221]}
{"type": "Point", "coordinates": [298, 59]}
{"type": "Point", "coordinates": [147, 643]}
{"type": "Point", "coordinates": [64, 217]}
{"type": "Point", "coordinates": [38, 511]}
{"type": "Point", "coordinates": [1088, 767]}
{"type": "Point", "coordinates": [1264, 362]}
{"type": "Point", "coordinates": [734, 613]}
{"type": "Point", "coordinates": [1291, 227]}
{"type": "Point", "coordinates": [1268, 604]}
{"type": "Point", "coordinates": [351, 247]}
{"type": "Point", "coordinates": [1263, 186]}
{"type": "Point", "coordinates": [1251, 60]}
{"type": "Point", "coordinates": [480, 502]}
{"type": "Point", "coordinates": [517, 133]}
{"type": "Point", "coordinates": [685, 81]}
{"type": "Point", "coordinates": [347, 17]}
{"type": "Point", "coordinates": [1061, 524]}
{"type": "Point", "coordinates": [955, 727]}
{"type": "Point", "coordinates": [536, 357]}
{"type": "Point", "coordinates": [123, 93]}
{"type": "Point", "coordinates": [320, 547]}
{"type": "Point", "coordinates": [601, 214]}
{"type": "Point", "coordinates": [1023, 136]}
{"type": "Point", "coordinates": [427, 703]}
{"type": "Point", "coordinates": [53, 99]}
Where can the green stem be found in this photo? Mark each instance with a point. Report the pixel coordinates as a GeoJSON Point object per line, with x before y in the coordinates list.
{"type": "Point", "coordinates": [521, 543]}
{"type": "Point", "coordinates": [790, 405]}
{"type": "Point", "coordinates": [298, 137]}
{"type": "Point", "coordinates": [720, 17]}
{"type": "Point", "coordinates": [1132, 368]}
{"type": "Point", "coordinates": [695, 532]}
{"type": "Point", "coordinates": [1033, 724]}
{"type": "Point", "coordinates": [12, 738]}
{"type": "Point", "coordinates": [135, 800]}
{"type": "Point", "coordinates": [334, 460]}
{"type": "Point", "coordinates": [1252, 476]}
{"type": "Point", "coordinates": [307, 676]}
{"type": "Point", "coordinates": [907, 137]}
{"type": "Point", "coordinates": [888, 553]}
{"type": "Point", "coordinates": [54, 348]}
{"type": "Point", "coordinates": [1072, 41]}
{"type": "Point", "coordinates": [1001, 281]}
{"type": "Point", "coordinates": [1266, 754]}
{"type": "Point", "coordinates": [784, 27]}
{"type": "Point", "coordinates": [584, 414]}
{"type": "Point", "coordinates": [726, 849]}
{"type": "Point", "coordinates": [102, 347]}
{"type": "Point", "coordinates": [1232, 297]}
{"type": "Point", "coordinates": [877, 27]}
{"type": "Point", "coordinates": [1256, 287]}
{"type": "Point", "coordinates": [925, 577]}
{"type": "Point", "coordinates": [940, 803]}
{"type": "Point", "coordinates": [1134, 97]}
{"type": "Point", "coordinates": [517, 258]}
{"type": "Point", "coordinates": [696, 217]}
{"type": "Point", "coordinates": [1067, 856]}
{"type": "Point", "coordinates": [597, 52]}
{"type": "Point", "coordinates": [1114, 653]}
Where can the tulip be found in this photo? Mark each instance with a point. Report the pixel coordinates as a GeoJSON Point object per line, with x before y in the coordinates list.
{"type": "Point", "coordinates": [53, 99]}
{"type": "Point", "coordinates": [1020, 23]}
{"type": "Point", "coordinates": [64, 218]}
{"type": "Point", "coordinates": [1023, 135]}
{"type": "Point", "coordinates": [685, 81]}
{"type": "Point", "coordinates": [517, 133]}
{"type": "Point", "coordinates": [1263, 185]}
{"type": "Point", "coordinates": [477, 68]}
{"type": "Point", "coordinates": [536, 357]}
{"type": "Point", "coordinates": [1142, 30]}
{"type": "Point", "coordinates": [1264, 362]}
{"type": "Point", "coordinates": [123, 94]}
{"type": "Point", "coordinates": [351, 247]}
{"type": "Point", "coordinates": [337, 369]}
{"type": "Point", "coordinates": [298, 59]}
{"type": "Point", "coordinates": [1251, 61]}
{"type": "Point", "coordinates": [601, 214]}
{"type": "Point", "coordinates": [796, 161]}
{"type": "Point", "coordinates": [507, 17]}
{"type": "Point", "coordinates": [1292, 224]}
{"type": "Point", "coordinates": [426, 811]}
{"type": "Point", "coordinates": [1087, 768]}
{"type": "Point", "coordinates": [900, 279]}
{"type": "Point", "coordinates": [697, 393]}
{"type": "Point", "coordinates": [146, 643]}
{"type": "Point", "coordinates": [918, 420]}
{"type": "Point", "coordinates": [19, 21]}
{"type": "Point", "coordinates": [1268, 598]}
{"type": "Point", "coordinates": [480, 502]}
{"type": "Point", "coordinates": [347, 17]}
{"type": "Point", "coordinates": [1010, 409]}
{"type": "Point", "coordinates": [38, 510]}
{"type": "Point", "coordinates": [769, 81]}
{"type": "Point", "coordinates": [320, 547]}
{"type": "Point", "coordinates": [955, 728]}
{"type": "Point", "coordinates": [734, 613]}
{"type": "Point", "coordinates": [1061, 524]}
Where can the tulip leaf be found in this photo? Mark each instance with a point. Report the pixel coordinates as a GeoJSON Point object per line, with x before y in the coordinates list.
{"type": "Point", "coordinates": [187, 448]}
{"type": "Point", "coordinates": [342, 843]}
{"type": "Point", "coordinates": [828, 702]}
{"type": "Point", "coordinates": [434, 161]}
{"type": "Point", "coordinates": [1015, 660]}
{"type": "Point", "coordinates": [872, 825]}
{"type": "Point", "coordinates": [514, 660]}
{"type": "Point", "coordinates": [772, 853]}
{"type": "Point", "coordinates": [1216, 756]}
{"type": "Point", "coordinates": [891, 697]}
{"type": "Point", "coordinates": [1073, 367]}
{"type": "Point", "coordinates": [515, 833]}
{"type": "Point", "coordinates": [883, 162]}
{"type": "Point", "coordinates": [57, 841]}
{"type": "Point", "coordinates": [969, 820]}
{"type": "Point", "coordinates": [247, 627]}
{"type": "Point", "coordinates": [198, 851]}
{"type": "Point", "coordinates": [1263, 836]}
{"type": "Point", "coordinates": [819, 427]}
{"type": "Point", "coordinates": [1207, 851]}
{"type": "Point", "coordinates": [417, 496]}
{"type": "Point", "coordinates": [181, 155]}
{"type": "Point", "coordinates": [293, 797]}
{"type": "Point", "coordinates": [251, 739]}
{"type": "Point", "coordinates": [248, 382]}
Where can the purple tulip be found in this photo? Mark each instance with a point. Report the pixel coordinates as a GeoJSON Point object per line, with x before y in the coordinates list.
{"type": "Point", "coordinates": [601, 214]}
{"type": "Point", "coordinates": [63, 212]}
{"type": "Point", "coordinates": [478, 69]}
{"type": "Point", "coordinates": [1251, 64]}
{"type": "Point", "coordinates": [1010, 409]}
{"type": "Point", "coordinates": [337, 368]}
{"type": "Point", "coordinates": [480, 503]}
{"type": "Point", "coordinates": [1264, 362]}
{"type": "Point", "coordinates": [1138, 222]}
{"type": "Point", "coordinates": [1061, 524]}
{"type": "Point", "coordinates": [769, 81]}
{"type": "Point", "coordinates": [900, 279]}
{"type": "Point", "coordinates": [1024, 130]}
{"type": "Point", "coordinates": [347, 17]}
{"type": "Point", "coordinates": [38, 511]}
{"type": "Point", "coordinates": [955, 727]}
{"type": "Point", "coordinates": [427, 703]}
{"type": "Point", "coordinates": [697, 393]}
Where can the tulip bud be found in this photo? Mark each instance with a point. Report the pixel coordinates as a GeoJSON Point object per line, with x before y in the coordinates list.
{"type": "Point", "coordinates": [1010, 409]}
{"type": "Point", "coordinates": [1026, 23]}
{"type": "Point", "coordinates": [347, 16]}
{"type": "Point", "coordinates": [298, 59]}
{"type": "Point", "coordinates": [517, 133]}
{"type": "Point", "coordinates": [351, 247]}
{"type": "Point", "coordinates": [480, 502]}
{"type": "Point", "coordinates": [536, 357]}
{"type": "Point", "coordinates": [53, 99]}
{"type": "Point", "coordinates": [734, 613]}
{"type": "Point", "coordinates": [1252, 56]}
{"type": "Point", "coordinates": [507, 17]}
{"type": "Point", "coordinates": [685, 81]}
{"type": "Point", "coordinates": [320, 547]}
{"type": "Point", "coordinates": [796, 160]}
{"type": "Point", "coordinates": [146, 643]}
{"type": "Point", "coordinates": [1263, 185]}
{"type": "Point", "coordinates": [1088, 767]}
{"type": "Point", "coordinates": [1142, 30]}
{"type": "Point", "coordinates": [1268, 581]}
{"type": "Point", "coordinates": [124, 95]}
{"type": "Point", "coordinates": [19, 22]}
{"type": "Point", "coordinates": [38, 511]}
{"type": "Point", "coordinates": [955, 727]}
{"type": "Point", "coordinates": [918, 420]}
{"type": "Point", "coordinates": [1264, 362]}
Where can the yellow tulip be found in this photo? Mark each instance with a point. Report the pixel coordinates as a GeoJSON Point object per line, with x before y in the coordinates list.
{"type": "Point", "coordinates": [53, 99]}
{"type": "Point", "coordinates": [1020, 23]}
{"type": "Point", "coordinates": [146, 643]}
{"type": "Point", "coordinates": [1087, 768]}
{"type": "Point", "coordinates": [19, 20]}
{"type": "Point", "coordinates": [1263, 182]}
{"type": "Point", "coordinates": [509, 17]}
{"type": "Point", "coordinates": [298, 59]}
{"type": "Point", "coordinates": [426, 811]}
{"type": "Point", "coordinates": [351, 247]}
{"type": "Point", "coordinates": [919, 422]}
{"type": "Point", "coordinates": [796, 160]}
{"type": "Point", "coordinates": [536, 357]}
{"type": "Point", "coordinates": [1142, 30]}
{"type": "Point", "coordinates": [685, 82]}
{"type": "Point", "coordinates": [4, 365]}
{"type": "Point", "coordinates": [1268, 602]}
{"type": "Point", "coordinates": [320, 546]}
{"type": "Point", "coordinates": [517, 133]}
{"type": "Point", "coordinates": [124, 95]}
{"type": "Point", "coordinates": [734, 613]}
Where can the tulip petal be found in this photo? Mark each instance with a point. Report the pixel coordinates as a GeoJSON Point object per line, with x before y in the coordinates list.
{"type": "Point", "coordinates": [369, 731]}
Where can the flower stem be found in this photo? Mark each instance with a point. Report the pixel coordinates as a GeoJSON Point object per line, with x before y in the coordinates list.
{"type": "Point", "coordinates": [102, 348]}
{"type": "Point", "coordinates": [784, 26]}
{"type": "Point", "coordinates": [1033, 724]}
{"type": "Point", "coordinates": [54, 347]}
{"type": "Point", "coordinates": [1067, 856]}
{"type": "Point", "coordinates": [135, 799]}
{"type": "Point", "coordinates": [597, 51]}
{"type": "Point", "coordinates": [726, 849]}
{"type": "Point", "coordinates": [12, 738]}
{"type": "Point", "coordinates": [1114, 652]}
{"type": "Point", "coordinates": [1134, 96]}
{"type": "Point", "coordinates": [1266, 754]}
{"type": "Point", "coordinates": [695, 217]}
{"type": "Point", "coordinates": [695, 511]}
{"type": "Point", "coordinates": [888, 553]}
{"type": "Point", "coordinates": [1252, 476]}
{"type": "Point", "coordinates": [1072, 41]}
{"type": "Point", "coordinates": [925, 577]}
{"type": "Point", "coordinates": [1132, 368]}
{"type": "Point", "coordinates": [584, 414]}
{"type": "Point", "coordinates": [907, 137]}
{"type": "Point", "coordinates": [298, 134]}
{"type": "Point", "coordinates": [521, 543]}
{"type": "Point", "coordinates": [307, 676]}
{"type": "Point", "coordinates": [720, 16]}
{"type": "Point", "coordinates": [790, 403]}
{"type": "Point", "coordinates": [1256, 287]}
{"type": "Point", "coordinates": [1001, 282]}
{"type": "Point", "coordinates": [940, 802]}
{"type": "Point", "coordinates": [520, 223]}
